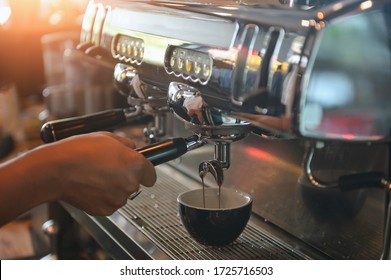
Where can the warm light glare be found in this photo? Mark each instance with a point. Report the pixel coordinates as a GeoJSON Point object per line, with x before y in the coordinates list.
{"type": "Point", "coordinates": [260, 154]}
{"type": "Point", "coordinates": [5, 14]}
{"type": "Point", "coordinates": [5, 11]}
{"type": "Point", "coordinates": [223, 14]}
{"type": "Point", "coordinates": [263, 155]}
{"type": "Point", "coordinates": [337, 6]}
{"type": "Point", "coordinates": [233, 8]}
{"type": "Point", "coordinates": [366, 5]}
{"type": "Point", "coordinates": [230, 54]}
{"type": "Point", "coordinates": [305, 23]}
{"type": "Point", "coordinates": [37, 14]}
{"type": "Point", "coordinates": [348, 136]}
{"type": "Point", "coordinates": [55, 18]}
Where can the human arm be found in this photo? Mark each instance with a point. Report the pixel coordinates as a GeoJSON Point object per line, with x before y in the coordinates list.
{"type": "Point", "coordinates": [95, 172]}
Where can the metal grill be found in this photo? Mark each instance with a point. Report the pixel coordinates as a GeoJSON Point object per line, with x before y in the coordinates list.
{"type": "Point", "coordinates": [155, 212]}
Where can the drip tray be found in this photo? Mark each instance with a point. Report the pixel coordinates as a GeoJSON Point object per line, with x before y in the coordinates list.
{"type": "Point", "coordinates": [154, 212]}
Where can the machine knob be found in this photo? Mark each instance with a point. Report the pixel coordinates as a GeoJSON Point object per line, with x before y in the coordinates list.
{"type": "Point", "coordinates": [51, 229]}
{"type": "Point", "coordinates": [123, 78]}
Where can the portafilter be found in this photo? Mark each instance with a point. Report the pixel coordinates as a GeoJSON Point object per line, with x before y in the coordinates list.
{"type": "Point", "coordinates": [214, 126]}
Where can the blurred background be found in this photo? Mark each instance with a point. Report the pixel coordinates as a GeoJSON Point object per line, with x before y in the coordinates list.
{"type": "Point", "coordinates": [22, 25]}
{"type": "Point", "coordinates": [33, 37]}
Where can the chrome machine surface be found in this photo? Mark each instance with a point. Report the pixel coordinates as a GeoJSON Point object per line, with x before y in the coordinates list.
{"type": "Point", "coordinates": [269, 84]}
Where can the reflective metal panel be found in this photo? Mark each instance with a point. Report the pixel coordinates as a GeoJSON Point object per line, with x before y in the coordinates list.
{"type": "Point", "coordinates": [346, 93]}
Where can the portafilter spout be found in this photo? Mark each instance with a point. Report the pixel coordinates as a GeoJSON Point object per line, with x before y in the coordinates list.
{"type": "Point", "coordinates": [213, 167]}
{"type": "Point", "coordinates": [187, 104]}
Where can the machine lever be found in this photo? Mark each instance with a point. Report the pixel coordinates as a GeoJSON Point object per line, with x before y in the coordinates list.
{"type": "Point", "coordinates": [59, 129]}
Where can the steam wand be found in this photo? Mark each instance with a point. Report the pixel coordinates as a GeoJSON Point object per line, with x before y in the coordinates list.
{"type": "Point", "coordinates": [356, 181]}
{"type": "Point", "coordinates": [345, 182]}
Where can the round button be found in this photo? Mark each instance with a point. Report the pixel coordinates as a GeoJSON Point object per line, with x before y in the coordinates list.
{"type": "Point", "coordinates": [172, 62]}
{"type": "Point", "coordinates": [181, 63]}
{"type": "Point", "coordinates": [189, 65]}
{"type": "Point", "coordinates": [206, 70]}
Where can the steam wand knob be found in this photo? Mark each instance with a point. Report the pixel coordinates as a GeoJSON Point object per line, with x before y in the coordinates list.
{"type": "Point", "coordinates": [51, 229]}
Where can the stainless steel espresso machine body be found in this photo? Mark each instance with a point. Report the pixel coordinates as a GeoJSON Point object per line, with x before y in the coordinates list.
{"type": "Point", "coordinates": [292, 97]}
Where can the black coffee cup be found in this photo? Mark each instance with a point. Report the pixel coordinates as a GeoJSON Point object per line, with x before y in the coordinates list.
{"type": "Point", "coordinates": [214, 224]}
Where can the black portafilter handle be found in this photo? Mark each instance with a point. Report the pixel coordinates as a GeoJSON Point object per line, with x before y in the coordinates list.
{"type": "Point", "coordinates": [170, 149]}
{"type": "Point", "coordinates": [60, 129]}
{"type": "Point", "coordinates": [157, 153]}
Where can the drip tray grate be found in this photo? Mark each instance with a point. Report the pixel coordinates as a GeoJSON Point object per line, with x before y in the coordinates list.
{"type": "Point", "coordinates": [155, 212]}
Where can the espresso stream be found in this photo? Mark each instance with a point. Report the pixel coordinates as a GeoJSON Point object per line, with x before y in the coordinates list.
{"type": "Point", "coordinates": [203, 192]}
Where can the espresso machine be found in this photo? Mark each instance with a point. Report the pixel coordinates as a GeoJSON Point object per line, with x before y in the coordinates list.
{"type": "Point", "coordinates": [288, 98]}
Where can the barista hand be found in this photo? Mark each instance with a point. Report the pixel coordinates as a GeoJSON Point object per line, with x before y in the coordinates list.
{"type": "Point", "coordinates": [94, 172]}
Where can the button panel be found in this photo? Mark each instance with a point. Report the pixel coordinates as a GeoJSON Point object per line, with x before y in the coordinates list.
{"type": "Point", "coordinates": [189, 64]}
{"type": "Point", "coordinates": [128, 49]}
